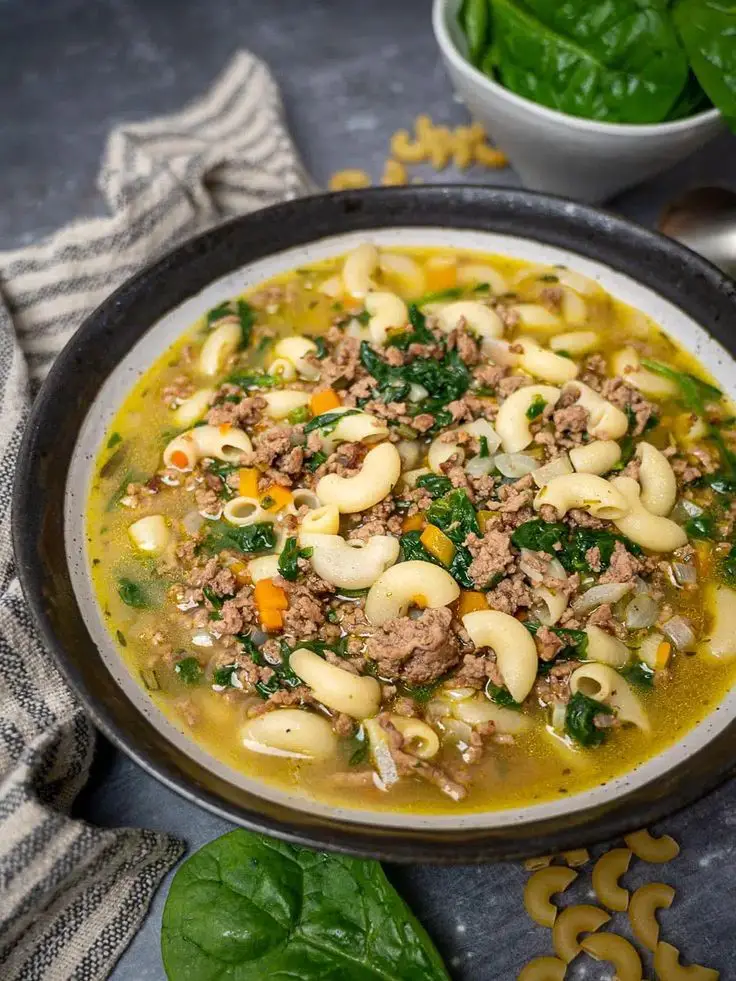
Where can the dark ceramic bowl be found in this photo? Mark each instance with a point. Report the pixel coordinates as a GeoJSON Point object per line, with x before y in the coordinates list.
{"type": "Point", "coordinates": [691, 300]}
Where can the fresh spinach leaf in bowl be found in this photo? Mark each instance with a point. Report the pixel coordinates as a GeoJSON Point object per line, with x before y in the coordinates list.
{"type": "Point", "coordinates": [615, 61]}
{"type": "Point", "coordinates": [247, 908]}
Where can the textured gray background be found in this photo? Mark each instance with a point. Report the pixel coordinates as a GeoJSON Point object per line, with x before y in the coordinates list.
{"type": "Point", "coordinates": [351, 73]}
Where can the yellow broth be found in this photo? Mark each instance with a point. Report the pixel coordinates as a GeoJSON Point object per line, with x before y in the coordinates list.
{"type": "Point", "coordinates": [539, 765]}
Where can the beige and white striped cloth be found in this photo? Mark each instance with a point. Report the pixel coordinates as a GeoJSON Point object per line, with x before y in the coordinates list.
{"type": "Point", "coordinates": [72, 896]}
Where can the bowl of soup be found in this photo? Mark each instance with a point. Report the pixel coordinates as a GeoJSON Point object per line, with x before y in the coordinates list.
{"type": "Point", "coordinates": [400, 522]}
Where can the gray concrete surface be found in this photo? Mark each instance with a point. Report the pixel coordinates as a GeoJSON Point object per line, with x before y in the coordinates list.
{"type": "Point", "coordinates": [351, 72]}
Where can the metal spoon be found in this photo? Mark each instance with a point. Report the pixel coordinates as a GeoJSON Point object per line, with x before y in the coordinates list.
{"type": "Point", "coordinates": [704, 220]}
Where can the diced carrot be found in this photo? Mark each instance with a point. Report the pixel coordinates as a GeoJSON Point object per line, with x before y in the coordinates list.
{"type": "Point", "coordinates": [438, 544]}
{"type": "Point", "coordinates": [703, 558]}
{"type": "Point", "coordinates": [324, 401]}
{"type": "Point", "coordinates": [240, 571]}
{"type": "Point", "coordinates": [413, 523]}
{"type": "Point", "coordinates": [180, 459]}
{"type": "Point", "coordinates": [663, 654]}
{"type": "Point", "coordinates": [470, 601]}
{"type": "Point", "coordinates": [224, 428]}
{"type": "Point", "coordinates": [486, 518]}
{"type": "Point", "coordinates": [271, 620]}
{"type": "Point", "coordinates": [248, 482]}
{"type": "Point", "coordinates": [275, 497]}
{"type": "Point", "coordinates": [269, 596]}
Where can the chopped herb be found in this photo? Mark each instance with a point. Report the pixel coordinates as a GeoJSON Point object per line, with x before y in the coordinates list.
{"type": "Point", "coordinates": [536, 407]}
{"type": "Point", "coordinates": [221, 468]}
{"type": "Point", "coordinates": [218, 312]}
{"type": "Point", "coordinates": [316, 460]}
{"type": "Point", "coordinates": [328, 421]}
{"type": "Point", "coordinates": [639, 674]}
{"type": "Point", "coordinates": [297, 416]}
{"type": "Point", "coordinates": [258, 537]}
{"type": "Point", "coordinates": [132, 594]}
{"type": "Point", "coordinates": [580, 717]}
{"type": "Point", "coordinates": [572, 547]}
{"type": "Point", "coordinates": [121, 638]}
{"type": "Point", "coordinates": [484, 451]}
{"type": "Point", "coordinates": [247, 318]}
{"type": "Point", "coordinates": [435, 485]}
{"type": "Point", "coordinates": [703, 527]}
{"type": "Point", "coordinates": [189, 670]}
{"type": "Point", "coordinates": [114, 439]}
{"type": "Point", "coordinates": [289, 559]}
{"type": "Point", "coordinates": [253, 379]}
{"type": "Point", "coordinates": [451, 293]}
{"type": "Point", "coordinates": [501, 696]}
{"type": "Point", "coordinates": [222, 677]}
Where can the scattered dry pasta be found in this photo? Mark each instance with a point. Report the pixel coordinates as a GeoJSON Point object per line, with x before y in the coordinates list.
{"type": "Point", "coordinates": [642, 911]}
{"type": "Point", "coordinates": [570, 923]}
{"type": "Point", "coordinates": [576, 857]}
{"type": "Point", "coordinates": [606, 872]}
{"type": "Point", "coordinates": [668, 968]}
{"type": "Point", "coordinates": [618, 951]}
{"type": "Point", "coordinates": [539, 889]}
{"type": "Point", "coordinates": [465, 146]}
{"type": "Point", "coordinates": [541, 862]}
{"type": "Point", "coordinates": [651, 849]}
{"type": "Point", "coordinates": [543, 969]}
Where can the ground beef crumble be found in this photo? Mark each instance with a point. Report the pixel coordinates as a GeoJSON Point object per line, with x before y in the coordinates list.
{"type": "Point", "coordinates": [417, 651]}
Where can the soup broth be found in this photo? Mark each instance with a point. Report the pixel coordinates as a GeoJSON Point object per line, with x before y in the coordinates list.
{"type": "Point", "coordinates": [423, 530]}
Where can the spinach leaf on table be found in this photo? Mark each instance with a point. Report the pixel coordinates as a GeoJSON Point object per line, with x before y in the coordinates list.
{"type": "Point", "coordinates": [707, 30]}
{"type": "Point", "coordinates": [247, 908]}
{"type": "Point", "coordinates": [619, 61]}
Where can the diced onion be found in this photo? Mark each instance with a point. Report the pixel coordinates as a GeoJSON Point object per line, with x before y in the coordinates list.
{"type": "Point", "coordinates": [482, 428]}
{"type": "Point", "coordinates": [515, 464]}
{"type": "Point", "coordinates": [559, 711]}
{"type": "Point", "coordinates": [417, 392]}
{"type": "Point", "coordinates": [680, 632]}
{"type": "Point", "coordinates": [685, 574]}
{"type": "Point", "coordinates": [641, 612]}
{"type": "Point", "coordinates": [610, 592]}
{"type": "Point", "coordinates": [684, 510]}
{"type": "Point", "coordinates": [554, 568]}
{"type": "Point", "coordinates": [479, 466]}
{"type": "Point", "coordinates": [555, 468]}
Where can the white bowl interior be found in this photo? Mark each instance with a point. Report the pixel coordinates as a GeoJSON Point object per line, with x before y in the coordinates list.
{"type": "Point", "coordinates": [162, 334]}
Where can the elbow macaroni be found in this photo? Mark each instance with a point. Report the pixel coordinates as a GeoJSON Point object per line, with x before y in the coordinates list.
{"type": "Point", "coordinates": [387, 312]}
{"type": "Point", "coordinates": [295, 351]}
{"type": "Point", "coordinates": [627, 363]}
{"type": "Point", "coordinates": [419, 738]}
{"type": "Point", "coordinates": [617, 950]}
{"type": "Point", "coordinates": [603, 683]}
{"type": "Point", "coordinates": [516, 652]}
{"type": "Point", "coordinates": [413, 583]}
{"type": "Point", "coordinates": [380, 471]}
{"type": "Point", "coordinates": [606, 874]}
{"type": "Point", "coordinates": [668, 967]}
{"type": "Point", "coordinates": [605, 648]}
{"type": "Point", "coordinates": [650, 849]}
{"type": "Point", "coordinates": [192, 409]}
{"type": "Point", "coordinates": [243, 511]}
{"type": "Point", "coordinates": [220, 345]}
{"type": "Point", "coordinates": [543, 969]}
{"type": "Point", "coordinates": [576, 342]}
{"type": "Point", "coordinates": [218, 442]}
{"type": "Point", "coordinates": [657, 479]}
{"type": "Point", "coordinates": [358, 268]}
{"type": "Point", "coordinates": [582, 490]}
{"type": "Point", "coordinates": [290, 732]}
{"type": "Point", "coordinates": [512, 424]}
{"type": "Point", "coordinates": [605, 420]}
{"type": "Point", "coordinates": [643, 909]}
{"type": "Point", "coordinates": [722, 640]}
{"type": "Point", "coordinates": [479, 318]}
{"type": "Point", "coordinates": [641, 526]}
{"type": "Point", "coordinates": [544, 364]}
{"type": "Point", "coordinates": [358, 696]}
{"type": "Point", "coordinates": [597, 457]}
{"type": "Point", "coordinates": [281, 403]}
{"type": "Point", "coordinates": [539, 889]}
{"type": "Point", "coordinates": [354, 564]}
{"type": "Point", "coordinates": [570, 923]}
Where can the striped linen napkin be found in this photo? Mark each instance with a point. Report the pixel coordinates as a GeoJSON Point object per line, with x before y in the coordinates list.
{"type": "Point", "coordinates": [71, 895]}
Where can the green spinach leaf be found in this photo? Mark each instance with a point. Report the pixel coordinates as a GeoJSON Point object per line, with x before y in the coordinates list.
{"type": "Point", "coordinates": [289, 558]}
{"type": "Point", "coordinates": [580, 717]}
{"type": "Point", "coordinates": [247, 908]}
{"type": "Point", "coordinates": [434, 484]}
{"type": "Point", "coordinates": [258, 537]}
{"type": "Point", "coordinates": [133, 594]}
{"type": "Point", "coordinates": [708, 32]}
{"type": "Point", "coordinates": [501, 696]}
{"type": "Point", "coordinates": [328, 421]}
{"type": "Point", "coordinates": [615, 62]}
{"type": "Point", "coordinates": [189, 670]}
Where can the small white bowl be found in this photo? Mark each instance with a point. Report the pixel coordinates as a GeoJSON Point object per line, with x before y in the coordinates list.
{"type": "Point", "coordinates": [562, 154]}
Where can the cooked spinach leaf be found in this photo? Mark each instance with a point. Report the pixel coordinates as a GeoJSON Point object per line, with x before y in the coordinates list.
{"type": "Point", "coordinates": [114, 439]}
{"type": "Point", "coordinates": [501, 696]}
{"type": "Point", "coordinates": [541, 536]}
{"type": "Point", "coordinates": [253, 379]}
{"type": "Point", "coordinates": [218, 312]}
{"type": "Point", "coordinates": [327, 422]}
{"type": "Point", "coordinates": [223, 676]}
{"type": "Point", "coordinates": [315, 461]}
{"type": "Point", "coordinates": [247, 318]}
{"type": "Point", "coordinates": [297, 416]}
{"type": "Point", "coordinates": [580, 717]}
{"type": "Point", "coordinates": [451, 293]}
{"type": "Point", "coordinates": [189, 670]}
{"type": "Point", "coordinates": [418, 334]}
{"type": "Point", "coordinates": [536, 407]}
{"type": "Point", "coordinates": [434, 484]}
{"type": "Point", "coordinates": [247, 908]}
{"type": "Point", "coordinates": [639, 674]}
{"type": "Point", "coordinates": [289, 559]}
{"type": "Point", "coordinates": [570, 547]}
{"type": "Point", "coordinates": [445, 380]}
{"type": "Point", "coordinates": [702, 527]}
{"type": "Point", "coordinates": [727, 568]}
{"type": "Point", "coordinates": [133, 594]}
{"type": "Point", "coordinates": [455, 515]}
{"type": "Point", "coordinates": [258, 537]}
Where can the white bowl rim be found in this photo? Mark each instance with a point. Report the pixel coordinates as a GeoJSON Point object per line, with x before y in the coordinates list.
{"type": "Point", "coordinates": [449, 49]}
